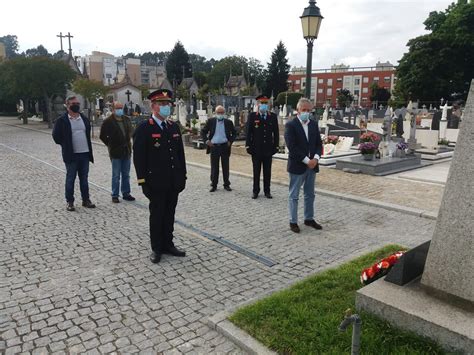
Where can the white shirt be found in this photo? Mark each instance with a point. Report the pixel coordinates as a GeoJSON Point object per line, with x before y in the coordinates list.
{"type": "Point", "coordinates": [305, 128]}
{"type": "Point", "coordinates": [158, 121]}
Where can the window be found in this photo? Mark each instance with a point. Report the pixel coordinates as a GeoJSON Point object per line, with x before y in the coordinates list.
{"type": "Point", "coordinates": [364, 99]}
{"type": "Point", "coordinates": [297, 82]}
{"type": "Point", "coordinates": [329, 82]}
{"type": "Point", "coordinates": [339, 80]}
{"type": "Point", "coordinates": [329, 92]}
{"type": "Point", "coordinates": [320, 91]}
{"type": "Point", "coordinates": [366, 79]}
{"type": "Point", "coordinates": [356, 81]}
{"type": "Point", "coordinates": [365, 90]}
{"type": "Point", "coordinates": [376, 79]}
{"type": "Point", "coordinates": [321, 81]}
{"type": "Point", "coordinates": [386, 79]}
{"type": "Point", "coordinates": [356, 93]}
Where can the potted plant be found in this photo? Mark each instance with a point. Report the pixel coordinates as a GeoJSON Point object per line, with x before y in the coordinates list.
{"type": "Point", "coordinates": [401, 150]}
{"type": "Point", "coordinates": [369, 137]}
{"type": "Point", "coordinates": [368, 149]}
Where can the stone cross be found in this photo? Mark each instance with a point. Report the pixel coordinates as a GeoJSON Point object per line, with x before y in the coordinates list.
{"type": "Point", "coordinates": [128, 93]}
{"type": "Point", "coordinates": [412, 118]}
{"type": "Point", "coordinates": [450, 261]}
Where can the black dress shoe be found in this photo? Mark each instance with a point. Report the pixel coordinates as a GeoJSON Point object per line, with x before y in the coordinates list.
{"type": "Point", "coordinates": [129, 198]}
{"type": "Point", "coordinates": [227, 188]}
{"type": "Point", "coordinates": [312, 223]}
{"type": "Point", "coordinates": [70, 206]}
{"type": "Point", "coordinates": [294, 227]}
{"type": "Point", "coordinates": [88, 204]}
{"type": "Point", "coordinates": [155, 257]}
{"type": "Point", "coordinates": [213, 189]}
{"type": "Point", "coordinates": [174, 251]}
{"type": "Point", "coordinates": [254, 196]}
{"type": "Point", "coordinates": [115, 200]}
{"type": "Point", "coordinates": [268, 195]}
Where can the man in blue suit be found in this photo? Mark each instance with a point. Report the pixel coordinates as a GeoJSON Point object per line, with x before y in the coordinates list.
{"type": "Point", "coordinates": [303, 141]}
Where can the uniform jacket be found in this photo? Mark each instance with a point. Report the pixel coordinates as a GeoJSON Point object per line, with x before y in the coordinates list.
{"type": "Point", "coordinates": [159, 156]}
{"type": "Point", "coordinates": [263, 136]}
{"type": "Point", "coordinates": [62, 135]}
{"type": "Point", "coordinates": [299, 147]}
{"type": "Point", "coordinates": [111, 134]}
{"type": "Point", "coordinates": [210, 128]}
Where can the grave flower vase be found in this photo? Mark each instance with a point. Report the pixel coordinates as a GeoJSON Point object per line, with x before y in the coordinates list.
{"type": "Point", "coordinates": [399, 153]}
{"type": "Point", "coordinates": [369, 156]}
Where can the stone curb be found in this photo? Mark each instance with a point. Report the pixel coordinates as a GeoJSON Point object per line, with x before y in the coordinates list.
{"type": "Point", "coordinates": [352, 198]}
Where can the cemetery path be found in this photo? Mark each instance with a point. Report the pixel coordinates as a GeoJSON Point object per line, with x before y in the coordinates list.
{"type": "Point", "coordinates": [78, 281]}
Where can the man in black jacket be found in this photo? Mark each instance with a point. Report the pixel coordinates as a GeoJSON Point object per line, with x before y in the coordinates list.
{"type": "Point", "coordinates": [73, 132]}
{"type": "Point", "coordinates": [303, 141]}
{"type": "Point", "coordinates": [116, 133]}
{"type": "Point", "coordinates": [158, 156]}
{"type": "Point", "coordinates": [262, 142]}
{"type": "Point", "coordinates": [219, 134]}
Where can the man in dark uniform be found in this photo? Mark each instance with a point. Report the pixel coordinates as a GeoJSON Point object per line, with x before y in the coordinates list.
{"type": "Point", "coordinates": [219, 134]}
{"type": "Point", "coordinates": [158, 156]}
{"type": "Point", "coordinates": [262, 142]}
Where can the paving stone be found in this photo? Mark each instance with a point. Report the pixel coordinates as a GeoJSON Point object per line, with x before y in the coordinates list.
{"type": "Point", "coordinates": [105, 291]}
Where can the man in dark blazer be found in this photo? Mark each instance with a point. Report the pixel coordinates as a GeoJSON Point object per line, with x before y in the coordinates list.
{"type": "Point", "coordinates": [262, 142]}
{"type": "Point", "coordinates": [303, 141]}
{"type": "Point", "coordinates": [158, 156]}
{"type": "Point", "coordinates": [72, 131]}
{"type": "Point", "coordinates": [219, 134]}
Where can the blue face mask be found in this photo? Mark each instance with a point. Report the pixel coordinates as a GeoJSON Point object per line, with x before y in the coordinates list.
{"type": "Point", "coordinates": [304, 116]}
{"type": "Point", "coordinates": [165, 111]}
{"type": "Point", "coordinates": [119, 112]}
{"type": "Point", "coordinates": [220, 117]}
{"type": "Point", "coordinates": [263, 108]}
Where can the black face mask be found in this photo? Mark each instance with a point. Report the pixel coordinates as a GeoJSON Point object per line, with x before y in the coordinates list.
{"type": "Point", "coordinates": [74, 108]}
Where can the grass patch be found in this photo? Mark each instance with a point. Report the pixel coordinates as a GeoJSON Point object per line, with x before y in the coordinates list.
{"type": "Point", "coordinates": [304, 319]}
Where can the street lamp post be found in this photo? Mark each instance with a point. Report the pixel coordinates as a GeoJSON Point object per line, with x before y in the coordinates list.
{"type": "Point", "coordinates": [311, 23]}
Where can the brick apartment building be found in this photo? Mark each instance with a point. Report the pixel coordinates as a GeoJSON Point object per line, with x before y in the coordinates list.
{"type": "Point", "coordinates": [326, 83]}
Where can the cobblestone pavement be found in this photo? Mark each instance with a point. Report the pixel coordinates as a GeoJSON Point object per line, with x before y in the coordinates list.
{"type": "Point", "coordinates": [71, 282]}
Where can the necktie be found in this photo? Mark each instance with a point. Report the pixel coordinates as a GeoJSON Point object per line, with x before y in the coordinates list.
{"type": "Point", "coordinates": [163, 126]}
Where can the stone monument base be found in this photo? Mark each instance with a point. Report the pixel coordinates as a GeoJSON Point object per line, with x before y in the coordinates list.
{"type": "Point", "coordinates": [436, 154]}
{"type": "Point", "coordinates": [411, 307]}
{"type": "Point", "coordinates": [326, 160]}
{"type": "Point", "coordinates": [380, 167]}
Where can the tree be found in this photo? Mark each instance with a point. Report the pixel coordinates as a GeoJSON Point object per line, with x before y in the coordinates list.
{"type": "Point", "coordinates": [39, 51]}
{"type": "Point", "coordinates": [277, 71]}
{"type": "Point", "coordinates": [256, 73]}
{"type": "Point", "coordinates": [344, 98]}
{"type": "Point", "coordinates": [178, 64]}
{"type": "Point", "coordinates": [91, 90]}
{"type": "Point", "coordinates": [35, 78]}
{"type": "Point", "coordinates": [289, 98]}
{"type": "Point", "coordinates": [11, 45]}
{"type": "Point", "coordinates": [379, 95]}
{"type": "Point", "coordinates": [439, 64]}
{"type": "Point", "coordinates": [130, 55]}
{"type": "Point", "coordinates": [224, 68]}
{"type": "Point", "coordinates": [200, 63]}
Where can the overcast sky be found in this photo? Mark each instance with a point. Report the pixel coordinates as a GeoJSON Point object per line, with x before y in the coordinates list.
{"type": "Point", "coordinates": [354, 32]}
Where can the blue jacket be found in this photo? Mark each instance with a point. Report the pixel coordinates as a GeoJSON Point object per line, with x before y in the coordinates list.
{"type": "Point", "coordinates": [62, 135]}
{"type": "Point", "coordinates": [299, 147]}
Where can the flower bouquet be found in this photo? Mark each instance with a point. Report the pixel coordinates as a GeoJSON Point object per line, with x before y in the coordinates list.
{"type": "Point", "coordinates": [331, 140]}
{"type": "Point", "coordinates": [401, 150]}
{"type": "Point", "coordinates": [380, 268]}
{"type": "Point", "coordinates": [368, 150]}
{"type": "Point", "coordinates": [369, 137]}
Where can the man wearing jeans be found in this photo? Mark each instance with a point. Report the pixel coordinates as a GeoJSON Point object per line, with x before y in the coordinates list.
{"type": "Point", "coordinates": [73, 132]}
{"type": "Point", "coordinates": [116, 133]}
{"type": "Point", "coordinates": [303, 141]}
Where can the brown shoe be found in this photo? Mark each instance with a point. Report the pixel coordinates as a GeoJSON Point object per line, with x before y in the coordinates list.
{"type": "Point", "coordinates": [294, 227]}
{"type": "Point", "coordinates": [313, 223]}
